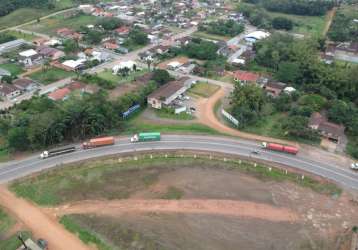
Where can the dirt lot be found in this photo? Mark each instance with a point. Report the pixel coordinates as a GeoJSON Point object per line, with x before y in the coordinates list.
{"type": "Point", "coordinates": [205, 208]}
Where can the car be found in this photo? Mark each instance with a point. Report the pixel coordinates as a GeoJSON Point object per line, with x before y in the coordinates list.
{"type": "Point", "coordinates": [354, 166]}
{"type": "Point", "coordinates": [256, 152]}
{"type": "Point", "coordinates": [192, 109]}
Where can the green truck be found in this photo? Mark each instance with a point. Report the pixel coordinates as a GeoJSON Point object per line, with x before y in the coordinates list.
{"type": "Point", "coordinates": [142, 137]}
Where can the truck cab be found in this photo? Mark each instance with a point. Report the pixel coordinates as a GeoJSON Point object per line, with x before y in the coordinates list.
{"type": "Point", "coordinates": [44, 154]}
{"type": "Point", "coordinates": [135, 138]}
{"type": "Point", "coordinates": [354, 166]}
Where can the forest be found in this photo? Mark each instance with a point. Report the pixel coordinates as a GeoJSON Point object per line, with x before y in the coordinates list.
{"type": "Point", "coordinates": [7, 6]}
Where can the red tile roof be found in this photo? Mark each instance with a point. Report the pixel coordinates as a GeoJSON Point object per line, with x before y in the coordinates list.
{"type": "Point", "coordinates": [246, 76]}
{"type": "Point", "coordinates": [59, 94]}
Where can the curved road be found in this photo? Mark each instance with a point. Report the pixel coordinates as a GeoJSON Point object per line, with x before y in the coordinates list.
{"type": "Point", "coordinates": [345, 177]}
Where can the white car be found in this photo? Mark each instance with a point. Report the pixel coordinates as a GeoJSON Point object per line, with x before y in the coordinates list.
{"type": "Point", "coordinates": [354, 166]}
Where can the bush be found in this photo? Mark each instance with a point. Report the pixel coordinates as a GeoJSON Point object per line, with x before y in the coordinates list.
{"type": "Point", "coordinates": [282, 23]}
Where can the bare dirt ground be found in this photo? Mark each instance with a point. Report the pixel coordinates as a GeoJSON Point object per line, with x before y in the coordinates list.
{"type": "Point", "coordinates": [222, 209]}
{"type": "Point", "coordinates": [215, 207]}
{"type": "Point", "coordinates": [330, 17]}
{"type": "Point", "coordinates": [41, 225]}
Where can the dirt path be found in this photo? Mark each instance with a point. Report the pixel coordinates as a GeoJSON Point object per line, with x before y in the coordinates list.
{"type": "Point", "coordinates": [330, 17]}
{"type": "Point", "coordinates": [217, 207]}
{"type": "Point", "coordinates": [39, 223]}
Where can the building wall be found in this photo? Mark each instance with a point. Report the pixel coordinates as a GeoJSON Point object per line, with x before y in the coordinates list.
{"type": "Point", "coordinates": [155, 103]}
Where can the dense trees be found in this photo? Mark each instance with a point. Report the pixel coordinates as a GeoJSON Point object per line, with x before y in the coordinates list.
{"type": "Point", "coordinates": [282, 23]}
{"type": "Point", "coordinates": [7, 6]}
{"type": "Point", "coordinates": [200, 49]}
{"type": "Point", "coordinates": [40, 122]}
{"type": "Point", "coordinates": [247, 103]}
{"type": "Point", "coordinates": [223, 28]}
{"type": "Point", "coordinates": [5, 37]}
{"type": "Point", "coordinates": [110, 23]}
{"type": "Point", "coordinates": [161, 76]}
{"type": "Point", "coordinates": [343, 28]}
{"type": "Point", "coordinates": [138, 36]}
{"type": "Point", "coordinates": [256, 15]}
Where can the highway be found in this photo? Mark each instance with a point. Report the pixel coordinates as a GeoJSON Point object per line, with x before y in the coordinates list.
{"type": "Point", "coordinates": [345, 177]}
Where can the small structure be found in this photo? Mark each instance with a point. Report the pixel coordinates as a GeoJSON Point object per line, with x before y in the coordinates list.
{"type": "Point", "coordinates": [12, 45]}
{"type": "Point", "coordinates": [4, 72]}
{"type": "Point", "coordinates": [256, 35]}
{"type": "Point", "coordinates": [127, 64]}
{"type": "Point", "coordinates": [29, 57]}
{"type": "Point", "coordinates": [245, 77]}
{"type": "Point", "coordinates": [51, 53]}
{"type": "Point", "coordinates": [174, 65]}
{"type": "Point", "coordinates": [74, 65]}
{"type": "Point", "coordinates": [332, 131]}
{"type": "Point", "coordinates": [9, 91]}
{"type": "Point", "coordinates": [25, 84]}
{"type": "Point", "coordinates": [274, 89]}
{"type": "Point", "coordinates": [59, 94]}
{"type": "Point", "coordinates": [169, 92]}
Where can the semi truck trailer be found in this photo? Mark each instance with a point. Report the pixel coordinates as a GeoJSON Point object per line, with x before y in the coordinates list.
{"type": "Point", "coordinates": [98, 142]}
{"type": "Point", "coordinates": [57, 151]}
{"type": "Point", "coordinates": [280, 148]}
{"type": "Point", "coordinates": [143, 137]}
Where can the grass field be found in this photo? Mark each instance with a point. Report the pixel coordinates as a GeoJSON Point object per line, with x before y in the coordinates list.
{"type": "Point", "coordinates": [306, 25]}
{"type": "Point", "coordinates": [51, 75]}
{"type": "Point", "coordinates": [14, 69]}
{"type": "Point", "coordinates": [110, 179]}
{"type": "Point", "coordinates": [5, 222]}
{"type": "Point", "coordinates": [116, 79]}
{"type": "Point", "coordinates": [25, 15]}
{"type": "Point", "coordinates": [204, 35]}
{"type": "Point", "coordinates": [50, 25]}
{"type": "Point", "coordinates": [165, 114]}
{"type": "Point", "coordinates": [21, 35]}
{"type": "Point", "coordinates": [204, 89]}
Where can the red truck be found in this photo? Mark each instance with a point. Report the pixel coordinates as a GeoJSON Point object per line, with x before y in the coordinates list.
{"type": "Point", "coordinates": [280, 148]}
{"type": "Point", "coordinates": [98, 142]}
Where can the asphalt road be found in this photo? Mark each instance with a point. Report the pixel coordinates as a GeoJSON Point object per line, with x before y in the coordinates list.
{"type": "Point", "coordinates": [345, 177]}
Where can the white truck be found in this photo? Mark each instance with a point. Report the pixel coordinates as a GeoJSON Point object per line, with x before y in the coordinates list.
{"type": "Point", "coordinates": [57, 151]}
{"type": "Point", "coordinates": [354, 166]}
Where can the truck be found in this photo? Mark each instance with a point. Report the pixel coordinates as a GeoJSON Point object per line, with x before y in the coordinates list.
{"type": "Point", "coordinates": [280, 148]}
{"type": "Point", "coordinates": [57, 151]}
{"type": "Point", "coordinates": [142, 137]}
{"type": "Point", "coordinates": [98, 142]}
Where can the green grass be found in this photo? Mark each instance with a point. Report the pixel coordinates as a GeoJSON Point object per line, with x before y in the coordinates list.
{"type": "Point", "coordinates": [25, 15]}
{"type": "Point", "coordinates": [13, 242]}
{"type": "Point", "coordinates": [167, 115]}
{"type": "Point", "coordinates": [352, 146]}
{"type": "Point", "coordinates": [51, 75]}
{"type": "Point", "coordinates": [137, 125]}
{"type": "Point", "coordinates": [306, 25]}
{"type": "Point", "coordinates": [21, 35]}
{"type": "Point", "coordinates": [116, 79]}
{"type": "Point", "coordinates": [5, 222]}
{"type": "Point", "coordinates": [14, 69]}
{"type": "Point", "coordinates": [86, 236]}
{"type": "Point", "coordinates": [173, 193]}
{"type": "Point", "coordinates": [204, 89]}
{"type": "Point", "coordinates": [105, 178]}
{"type": "Point", "coordinates": [205, 35]}
{"type": "Point", "coordinates": [50, 25]}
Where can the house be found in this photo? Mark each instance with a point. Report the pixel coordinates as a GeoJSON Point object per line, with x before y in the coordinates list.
{"type": "Point", "coordinates": [274, 89]}
{"type": "Point", "coordinates": [332, 131]}
{"type": "Point", "coordinates": [174, 65]}
{"type": "Point", "coordinates": [127, 64]}
{"type": "Point", "coordinates": [29, 57]}
{"type": "Point", "coordinates": [25, 84]}
{"type": "Point", "coordinates": [9, 91]}
{"type": "Point", "coordinates": [40, 41]}
{"type": "Point", "coordinates": [256, 35]}
{"type": "Point", "coordinates": [86, 8]}
{"type": "Point", "coordinates": [169, 92]}
{"type": "Point", "coordinates": [68, 33]}
{"type": "Point", "coordinates": [110, 45]}
{"type": "Point", "coordinates": [245, 77]}
{"type": "Point", "coordinates": [59, 94]}
{"type": "Point", "coordinates": [51, 53]}
{"type": "Point", "coordinates": [74, 65]}
{"type": "Point", "coordinates": [123, 30]}
{"type": "Point", "coordinates": [12, 45]}
{"type": "Point", "coordinates": [160, 49]}
{"type": "Point", "coordinates": [4, 72]}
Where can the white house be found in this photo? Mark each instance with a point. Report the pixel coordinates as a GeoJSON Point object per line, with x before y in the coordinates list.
{"type": "Point", "coordinates": [122, 65]}
{"type": "Point", "coordinates": [74, 65]}
{"type": "Point", "coordinates": [174, 65]}
{"type": "Point", "coordinates": [29, 57]}
{"type": "Point", "coordinates": [256, 35]}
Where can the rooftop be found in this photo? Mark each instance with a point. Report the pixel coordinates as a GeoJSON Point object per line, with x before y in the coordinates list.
{"type": "Point", "coordinates": [167, 90]}
{"type": "Point", "coordinates": [59, 94]}
{"type": "Point", "coordinates": [246, 76]}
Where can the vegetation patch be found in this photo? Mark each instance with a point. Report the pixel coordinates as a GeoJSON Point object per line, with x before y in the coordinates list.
{"type": "Point", "coordinates": [5, 222]}
{"type": "Point", "coordinates": [14, 69]}
{"type": "Point", "coordinates": [110, 179]}
{"type": "Point", "coordinates": [13, 242]}
{"type": "Point", "coordinates": [173, 193]}
{"type": "Point", "coordinates": [50, 75]}
{"type": "Point", "coordinates": [204, 89]}
{"type": "Point", "coordinates": [169, 113]}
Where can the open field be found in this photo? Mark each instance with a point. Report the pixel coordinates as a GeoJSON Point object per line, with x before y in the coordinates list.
{"type": "Point", "coordinates": [117, 79]}
{"type": "Point", "coordinates": [51, 75]}
{"type": "Point", "coordinates": [205, 35]}
{"type": "Point", "coordinates": [204, 89]}
{"type": "Point", "coordinates": [24, 15]}
{"type": "Point", "coordinates": [50, 25]}
{"type": "Point", "coordinates": [21, 35]}
{"type": "Point", "coordinates": [14, 69]}
{"type": "Point", "coordinates": [172, 205]}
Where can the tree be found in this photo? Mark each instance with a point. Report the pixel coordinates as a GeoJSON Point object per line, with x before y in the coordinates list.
{"type": "Point", "coordinates": [288, 72]}
{"type": "Point", "coordinates": [247, 102]}
{"type": "Point", "coordinates": [110, 23]}
{"type": "Point", "coordinates": [71, 46]}
{"type": "Point", "coordinates": [282, 23]}
{"type": "Point", "coordinates": [137, 36]}
{"type": "Point", "coordinates": [17, 138]}
{"type": "Point", "coordinates": [94, 36]}
{"type": "Point", "coordinates": [296, 126]}
{"type": "Point", "coordinates": [161, 76]}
